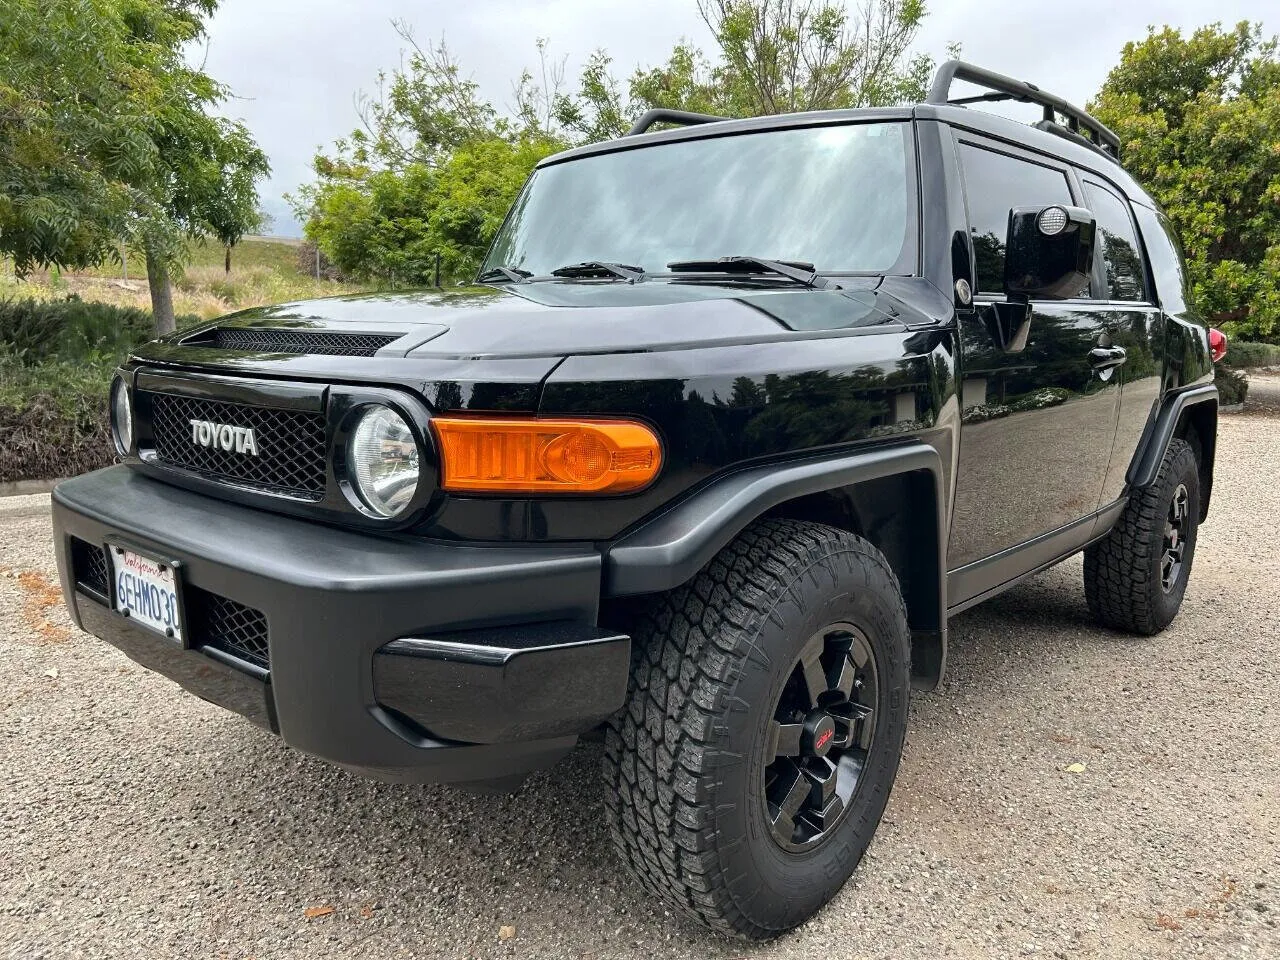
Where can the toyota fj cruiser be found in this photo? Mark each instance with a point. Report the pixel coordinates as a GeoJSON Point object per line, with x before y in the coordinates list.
{"type": "Point", "coordinates": [735, 416]}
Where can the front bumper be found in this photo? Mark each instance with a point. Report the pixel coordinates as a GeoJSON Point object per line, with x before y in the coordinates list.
{"type": "Point", "coordinates": [399, 658]}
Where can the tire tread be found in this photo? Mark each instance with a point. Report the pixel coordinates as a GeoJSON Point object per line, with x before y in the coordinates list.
{"type": "Point", "coordinates": [663, 748]}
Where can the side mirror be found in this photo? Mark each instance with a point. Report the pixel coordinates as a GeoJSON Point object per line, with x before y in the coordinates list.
{"type": "Point", "coordinates": [1048, 252]}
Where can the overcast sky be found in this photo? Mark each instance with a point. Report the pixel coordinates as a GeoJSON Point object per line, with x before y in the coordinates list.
{"type": "Point", "coordinates": [295, 65]}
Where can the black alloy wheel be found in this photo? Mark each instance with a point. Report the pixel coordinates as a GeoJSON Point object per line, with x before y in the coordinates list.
{"type": "Point", "coordinates": [822, 733]}
{"type": "Point", "coordinates": [1175, 538]}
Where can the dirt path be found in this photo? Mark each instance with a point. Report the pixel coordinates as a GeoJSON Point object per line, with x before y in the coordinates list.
{"type": "Point", "coordinates": [136, 820]}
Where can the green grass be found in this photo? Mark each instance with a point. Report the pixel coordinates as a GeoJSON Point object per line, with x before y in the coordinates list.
{"type": "Point", "coordinates": [272, 254]}
{"type": "Point", "coordinates": [262, 272]}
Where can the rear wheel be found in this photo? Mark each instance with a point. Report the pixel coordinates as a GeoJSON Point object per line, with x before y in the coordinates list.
{"type": "Point", "coordinates": [1136, 577]}
{"type": "Point", "coordinates": [764, 724]}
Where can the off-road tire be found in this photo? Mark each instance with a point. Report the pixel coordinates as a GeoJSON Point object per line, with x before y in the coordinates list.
{"type": "Point", "coordinates": [684, 765]}
{"type": "Point", "coordinates": [1123, 572]}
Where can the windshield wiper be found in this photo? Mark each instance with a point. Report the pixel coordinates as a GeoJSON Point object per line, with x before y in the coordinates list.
{"type": "Point", "coordinates": [791, 269]}
{"type": "Point", "coordinates": [510, 274]}
{"type": "Point", "coordinates": [600, 268]}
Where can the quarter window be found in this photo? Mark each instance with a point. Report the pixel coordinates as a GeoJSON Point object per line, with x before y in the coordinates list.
{"type": "Point", "coordinates": [1167, 265]}
{"type": "Point", "coordinates": [994, 185]}
{"type": "Point", "coordinates": [1117, 244]}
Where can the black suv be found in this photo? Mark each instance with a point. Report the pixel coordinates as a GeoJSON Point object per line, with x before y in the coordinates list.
{"type": "Point", "coordinates": [736, 415]}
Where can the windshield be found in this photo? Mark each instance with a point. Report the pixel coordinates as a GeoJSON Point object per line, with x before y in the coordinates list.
{"type": "Point", "coordinates": [838, 197]}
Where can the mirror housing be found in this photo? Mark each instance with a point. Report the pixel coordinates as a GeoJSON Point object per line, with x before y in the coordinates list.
{"type": "Point", "coordinates": [1048, 252]}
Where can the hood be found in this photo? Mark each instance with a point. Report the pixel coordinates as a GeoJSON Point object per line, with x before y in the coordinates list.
{"type": "Point", "coordinates": [501, 344]}
{"type": "Point", "coordinates": [552, 319]}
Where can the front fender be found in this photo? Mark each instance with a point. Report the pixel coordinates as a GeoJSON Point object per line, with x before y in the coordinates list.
{"type": "Point", "coordinates": [670, 549]}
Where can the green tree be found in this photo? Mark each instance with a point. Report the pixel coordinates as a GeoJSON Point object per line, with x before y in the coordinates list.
{"type": "Point", "coordinates": [106, 136]}
{"type": "Point", "coordinates": [72, 132]}
{"type": "Point", "coordinates": [431, 171]}
{"type": "Point", "coordinates": [774, 56]}
{"type": "Point", "coordinates": [1199, 117]}
{"type": "Point", "coordinates": [435, 165]}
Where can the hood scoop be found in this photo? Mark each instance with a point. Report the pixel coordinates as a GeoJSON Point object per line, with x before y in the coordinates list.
{"type": "Point", "coordinates": [279, 340]}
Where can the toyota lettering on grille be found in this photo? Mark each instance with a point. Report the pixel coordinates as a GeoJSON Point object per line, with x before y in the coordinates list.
{"type": "Point", "coordinates": [223, 436]}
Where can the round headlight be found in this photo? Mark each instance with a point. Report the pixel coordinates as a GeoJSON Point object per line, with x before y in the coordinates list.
{"type": "Point", "coordinates": [382, 461]}
{"type": "Point", "coordinates": [121, 417]}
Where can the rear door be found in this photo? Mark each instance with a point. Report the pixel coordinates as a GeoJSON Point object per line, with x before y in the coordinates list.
{"type": "Point", "coordinates": [1037, 425]}
{"type": "Point", "coordinates": [1129, 317]}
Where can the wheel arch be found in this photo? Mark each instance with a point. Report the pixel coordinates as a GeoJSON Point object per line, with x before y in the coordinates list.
{"type": "Point", "coordinates": [891, 496]}
{"type": "Point", "coordinates": [1190, 415]}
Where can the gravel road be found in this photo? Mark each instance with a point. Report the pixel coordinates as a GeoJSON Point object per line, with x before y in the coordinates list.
{"type": "Point", "coordinates": [138, 821]}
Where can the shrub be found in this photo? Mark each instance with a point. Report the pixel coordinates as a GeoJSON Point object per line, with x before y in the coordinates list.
{"type": "Point", "coordinates": [1243, 355]}
{"type": "Point", "coordinates": [1233, 385]}
{"type": "Point", "coordinates": [69, 329]}
{"type": "Point", "coordinates": [57, 358]}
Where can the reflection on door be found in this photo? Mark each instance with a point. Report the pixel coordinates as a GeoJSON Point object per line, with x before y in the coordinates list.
{"type": "Point", "coordinates": [1037, 430]}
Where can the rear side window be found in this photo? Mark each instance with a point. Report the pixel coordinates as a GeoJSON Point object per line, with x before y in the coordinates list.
{"type": "Point", "coordinates": [1117, 245]}
{"type": "Point", "coordinates": [994, 184]}
{"type": "Point", "coordinates": [1167, 267]}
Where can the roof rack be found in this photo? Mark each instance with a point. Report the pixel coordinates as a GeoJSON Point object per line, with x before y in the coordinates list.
{"type": "Point", "coordinates": [682, 118]}
{"type": "Point", "coordinates": [1001, 87]}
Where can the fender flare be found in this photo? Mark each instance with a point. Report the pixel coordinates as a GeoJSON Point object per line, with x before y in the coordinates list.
{"type": "Point", "coordinates": [1146, 462]}
{"type": "Point", "coordinates": [670, 549]}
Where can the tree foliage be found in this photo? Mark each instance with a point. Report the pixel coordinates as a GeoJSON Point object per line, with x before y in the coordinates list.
{"type": "Point", "coordinates": [435, 165]}
{"type": "Point", "coordinates": [106, 135]}
{"type": "Point", "coordinates": [1199, 117]}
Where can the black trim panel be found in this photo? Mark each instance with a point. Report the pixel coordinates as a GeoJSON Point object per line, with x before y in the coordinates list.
{"type": "Point", "coordinates": [1146, 464]}
{"type": "Point", "coordinates": [983, 579]}
{"type": "Point", "coordinates": [668, 551]}
{"type": "Point", "coordinates": [509, 683]}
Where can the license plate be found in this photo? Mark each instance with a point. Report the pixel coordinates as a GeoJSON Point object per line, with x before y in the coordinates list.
{"type": "Point", "coordinates": [146, 591]}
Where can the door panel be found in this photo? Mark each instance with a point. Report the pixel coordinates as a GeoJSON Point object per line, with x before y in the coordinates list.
{"type": "Point", "coordinates": [1036, 433]}
{"type": "Point", "coordinates": [1132, 322]}
{"type": "Point", "coordinates": [1139, 330]}
{"type": "Point", "coordinates": [1037, 425]}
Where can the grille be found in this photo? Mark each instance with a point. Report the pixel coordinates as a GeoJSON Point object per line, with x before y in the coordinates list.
{"type": "Point", "coordinates": [90, 566]}
{"type": "Point", "coordinates": [300, 341]}
{"type": "Point", "coordinates": [291, 445]}
{"type": "Point", "coordinates": [222, 623]}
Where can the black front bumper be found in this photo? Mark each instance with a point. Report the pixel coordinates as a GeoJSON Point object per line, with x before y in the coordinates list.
{"type": "Point", "coordinates": [403, 659]}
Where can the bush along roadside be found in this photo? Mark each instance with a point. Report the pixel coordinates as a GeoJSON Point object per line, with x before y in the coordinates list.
{"type": "Point", "coordinates": [44, 441]}
{"type": "Point", "coordinates": [57, 359]}
{"type": "Point", "coordinates": [1242, 355]}
{"type": "Point", "coordinates": [1233, 386]}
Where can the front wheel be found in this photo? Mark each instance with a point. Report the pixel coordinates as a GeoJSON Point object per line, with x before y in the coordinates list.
{"type": "Point", "coordinates": [1135, 577]}
{"type": "Point", "coordinates": [765, 719]}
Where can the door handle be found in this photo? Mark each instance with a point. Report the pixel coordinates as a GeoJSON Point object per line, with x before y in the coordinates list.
{"type": "Point", "coordinates": [1104, 357]}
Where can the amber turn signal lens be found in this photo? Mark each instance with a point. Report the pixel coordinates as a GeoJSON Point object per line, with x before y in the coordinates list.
{"type": "Point", "coordinates": [508, 455]}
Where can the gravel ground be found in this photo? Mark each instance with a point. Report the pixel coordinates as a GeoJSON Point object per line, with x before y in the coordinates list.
{"type": "Point", "coordinates": [136, 820]}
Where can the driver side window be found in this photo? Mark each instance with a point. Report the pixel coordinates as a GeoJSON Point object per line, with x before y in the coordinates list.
{"type": "Point", "coordinates": [994, 184]}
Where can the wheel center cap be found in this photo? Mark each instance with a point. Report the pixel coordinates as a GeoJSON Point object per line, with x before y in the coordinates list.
{"type": "Point", "coordinates": [819, 732]}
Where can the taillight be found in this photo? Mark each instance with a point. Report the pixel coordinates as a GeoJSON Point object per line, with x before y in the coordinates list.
{"type": "Point", "coordinates": [1217, 344]}
{"type": "Point", "coordinates": [509, 455]}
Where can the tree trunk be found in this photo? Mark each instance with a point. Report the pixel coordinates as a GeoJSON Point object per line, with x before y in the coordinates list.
{"type": "Point", "coordinates": [228, 259]}
{"type": "Point", "coordinates": [161, 295]}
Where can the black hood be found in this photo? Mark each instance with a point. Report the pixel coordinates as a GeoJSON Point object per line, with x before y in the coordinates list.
{"type": "Point", "coordinates": [555, 319]}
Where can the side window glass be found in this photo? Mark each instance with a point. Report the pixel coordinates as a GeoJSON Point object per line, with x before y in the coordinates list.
{"type": "Point", "coordinates": [1117, 244]}
{"type": "Point", "coordinates": [995, 184]}
{"type": "Point", "coordinates": [1167, 266]}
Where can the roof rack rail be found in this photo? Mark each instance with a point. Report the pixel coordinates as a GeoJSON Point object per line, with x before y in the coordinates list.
{"type": "Point", "coordinates": [682, 118]}
{"type": "Point", "coordinates": [1006, 88]}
